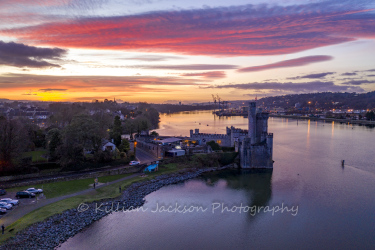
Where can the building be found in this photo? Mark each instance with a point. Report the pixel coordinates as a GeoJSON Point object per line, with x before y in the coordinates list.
{"type": "Point", "coordinates": [257, 148]}
{"type": "Point", "coordinates": [224, 140]}
{"type": "Point", "coordinates": [254, 145]}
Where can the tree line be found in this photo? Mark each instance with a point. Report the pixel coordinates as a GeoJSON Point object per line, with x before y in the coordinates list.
{"type": "Point", "coordinates": [75, 135]}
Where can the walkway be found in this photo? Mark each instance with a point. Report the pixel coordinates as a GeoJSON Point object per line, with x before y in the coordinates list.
{"type": "Point", "coordinates": [19, 212]}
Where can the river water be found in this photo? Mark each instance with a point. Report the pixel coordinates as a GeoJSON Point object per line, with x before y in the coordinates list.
{"type": "Point", "coordinates": [308, 201]}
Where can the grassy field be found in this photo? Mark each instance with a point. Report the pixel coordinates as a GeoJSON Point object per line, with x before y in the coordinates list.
{"type": "Point", "coordinates": [106, 192]}
{"type": "Point", "coordinates": [55, 189]}
{"type": "Point", "coordinates": [36, 155]}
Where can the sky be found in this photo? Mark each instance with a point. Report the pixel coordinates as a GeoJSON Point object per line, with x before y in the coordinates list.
{"type": "Point", "coordinates": [164, 51]}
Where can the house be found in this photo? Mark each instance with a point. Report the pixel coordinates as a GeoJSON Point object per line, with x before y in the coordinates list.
{"type": "Point", "coordinates": [109, 146]}
{"type": "Point", "coordinates": [175, 152]}
{"type": "Point", "coordinates": [170, 141]}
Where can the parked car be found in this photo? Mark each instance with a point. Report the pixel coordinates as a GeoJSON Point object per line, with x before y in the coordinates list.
{"type": "Point", "coordinates": [24, 194]}
{"type": "Point", "coordinates": [3, 192]}
{"type": "Point", "coordinates": [3, 211]}
{"type": "Point", "coordinates": [133, 163]}
{"type": "Point", "coordinates": [34, 190]}
{"type": "Point", "coordinates": [10, 201]}
{"type": "Point", "coordinates": [6, 205]}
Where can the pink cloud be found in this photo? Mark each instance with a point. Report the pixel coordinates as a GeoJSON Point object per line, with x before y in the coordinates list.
{"type": "Point", "coordinates": [232, 31]}
{"type": "Point", "coordinates": [302, 61]}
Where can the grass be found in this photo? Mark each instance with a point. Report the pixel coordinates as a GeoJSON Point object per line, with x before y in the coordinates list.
{"type": "Point", "coordinates": [55, 189]}
{"type": "Point", "coordinates": [36, 155]}
{"type": "Point", "coordinates": [106, 192]}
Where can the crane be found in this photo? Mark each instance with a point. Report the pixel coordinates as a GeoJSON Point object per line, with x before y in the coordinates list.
{"type": "Point", "coordinates": [219, 99]}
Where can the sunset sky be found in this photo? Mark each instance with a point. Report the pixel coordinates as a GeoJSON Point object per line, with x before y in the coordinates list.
{"type": "Point", "coordinates": [168, 51]}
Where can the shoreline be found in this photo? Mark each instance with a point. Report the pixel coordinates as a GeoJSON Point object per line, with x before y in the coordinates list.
{"type": "Point", "coordinates": [55, 230]}
{"type": "Point", "coordinates": [359, 122]}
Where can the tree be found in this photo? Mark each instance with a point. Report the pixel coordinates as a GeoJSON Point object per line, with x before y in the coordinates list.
{"type": "Point", "coordinates": [85, 131]}
{"type": "Point", "coordinates": [129, 127]}
{"type": "Point", "coordinates": [54, 140]}
{"type": "Point", "coordinates": [116, 131]}
{"type": "Point", "coordinates": [154, 133]}
{"type": "Point", "coordinates": [12, 141]}
{"type": "Point", "coordinates": [82, 133]}
{"type": "Point", "coordinates": [213, 145]}
{"type": "Point", "coordinates": [141, 123]}
{"type": "Point", "coordinates": [370, 116]}
{"type": "Point", "coordinates": [125, 146]}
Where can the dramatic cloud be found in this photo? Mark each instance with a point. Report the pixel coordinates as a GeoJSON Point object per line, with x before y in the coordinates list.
{"type": "Point", "coordinates": [312, 76]}
{"type": "Point", "coordinates": [21, 55]}
{"type": "Point", "coordinates": [208, 75]}
{"type": "Point", "coordinates": [52, 90]}
{"type": "Point", "coordinates": [302, 61]}
{"type": "Point", "coordinates": [152, 58]}
{"type": "Point", "coordinates": [189, 67]}
{"type": "Point", "coordinates": [349, 74]}
{"type": "Point", "coordinates": [316, 86]}
{"type": "Point", "coordinates": [221, 31]}
{"type": "Point", "coordinates": [358, 82]}
{"type": "Point", "coordinates": [43, 83]}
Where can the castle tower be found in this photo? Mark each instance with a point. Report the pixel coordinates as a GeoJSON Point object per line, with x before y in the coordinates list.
{"type": "Point", "coordinates": [252, 122]}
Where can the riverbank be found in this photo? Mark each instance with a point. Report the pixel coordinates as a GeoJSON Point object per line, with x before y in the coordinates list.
{"type": "Point", "coordinates": [359, 122]}
{"type": "Point", "coordinates": [58, 228]}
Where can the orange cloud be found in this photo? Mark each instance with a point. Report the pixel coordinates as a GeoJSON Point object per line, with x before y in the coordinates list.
{"type": "Point", "coordinates": [208, 75]}
{"type": "Point", "coordinates": [232, 31]}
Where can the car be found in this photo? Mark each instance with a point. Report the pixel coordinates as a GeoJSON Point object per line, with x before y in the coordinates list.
{"type": "Point", "coordinates": [133, 163]}
{"type": "Point", "coordinates": [2, 191]}
{"type": "Point", "coordinates": [24, 194]}
{"type": "Point", "coordinates": [34, 190]}
{"type": "Point", "coordinates": [3, 211]}
{"type": "Point", "coordinates": [6, 205]}
{"type": "Point", "coordinates": [10, 201]}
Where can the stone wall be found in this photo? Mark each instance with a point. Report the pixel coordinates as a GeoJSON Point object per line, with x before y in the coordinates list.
{"type": "Point", "coordinates": [221, 139]}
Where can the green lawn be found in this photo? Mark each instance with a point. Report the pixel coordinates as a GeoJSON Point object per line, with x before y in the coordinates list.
{"type": "Point", "coordinates": [36, 155]}
{"type": "Point", "coordinates": [54, 189]}
{"type": "Point", "coordinates": [110, 191]}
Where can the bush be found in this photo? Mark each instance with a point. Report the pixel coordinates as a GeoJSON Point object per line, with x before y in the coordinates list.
{"type": "Point", "coordinates": [122, 155]}
{"type": "Point", "coordinates": [213, 145]}
{"type": "Point", "coordinates": [103, 156]}
{"type": "Point", "coordinates": [228, 158]}
{"type": "Point", "coordinates": [228, 149]}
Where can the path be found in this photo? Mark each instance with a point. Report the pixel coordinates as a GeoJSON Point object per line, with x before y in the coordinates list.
{"type": "Point", "coordinates": [19, 212]}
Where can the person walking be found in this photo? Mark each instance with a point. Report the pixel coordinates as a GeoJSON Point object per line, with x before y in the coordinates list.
{"type": "Point", "coordinates": [2, 229]}
{"type": "Point", "coordinates": [94, 185]}
{"type": "Point", "coordinates": [119, 188]}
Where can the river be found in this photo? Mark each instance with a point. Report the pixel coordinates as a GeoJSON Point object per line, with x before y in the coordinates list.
{"type": "Point", "coordinates": [308, 201]}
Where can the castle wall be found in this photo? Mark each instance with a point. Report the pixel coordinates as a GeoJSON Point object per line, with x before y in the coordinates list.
{"type": "Point", "coordinates": [255, 156]}
{"type": "Point", "coordinates": [222, 140]}
{"type": "Point", "coordinates": [252, 122]}
{"type": "Point", "coordinates": [255, 146]}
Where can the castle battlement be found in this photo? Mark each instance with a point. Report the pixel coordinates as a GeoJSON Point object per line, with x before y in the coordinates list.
{"type": "Point", "coordinates": [254, 145]}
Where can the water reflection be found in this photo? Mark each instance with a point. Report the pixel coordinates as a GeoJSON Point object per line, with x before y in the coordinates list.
{"type": "Point", "coordinates": [256, 183]}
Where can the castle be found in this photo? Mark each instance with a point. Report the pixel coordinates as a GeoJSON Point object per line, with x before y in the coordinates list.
{"type": "Point", "coordinates": [254, 145]}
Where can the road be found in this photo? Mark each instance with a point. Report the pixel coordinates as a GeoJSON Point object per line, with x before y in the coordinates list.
{"type": "Point", "coordinates": [30, 205]}
{"type": "Point", "coordinates": [144, 157]}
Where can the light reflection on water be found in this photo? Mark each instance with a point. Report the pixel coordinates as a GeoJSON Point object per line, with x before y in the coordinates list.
{"type": "Point", "coordinates": [335, 203]}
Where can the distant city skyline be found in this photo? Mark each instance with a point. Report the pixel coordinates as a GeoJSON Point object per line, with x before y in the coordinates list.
{"type": "Point", "coordinates": [162, 50]}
